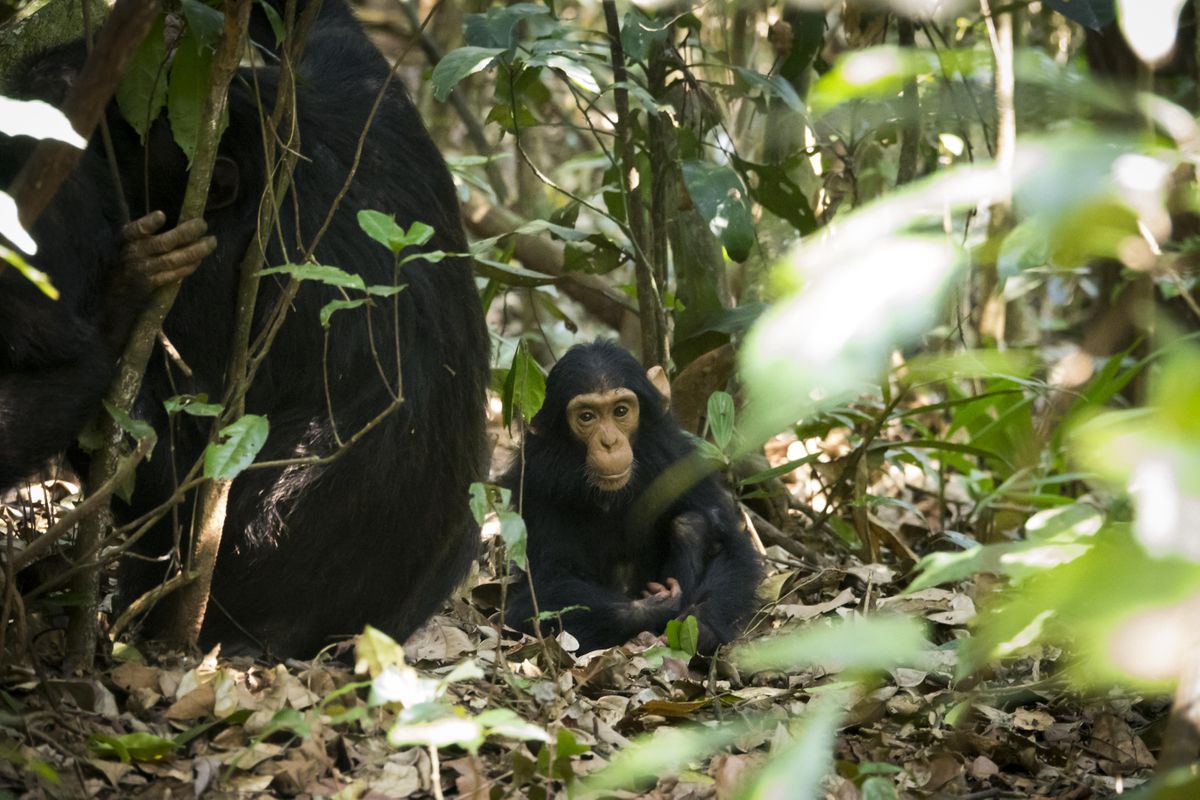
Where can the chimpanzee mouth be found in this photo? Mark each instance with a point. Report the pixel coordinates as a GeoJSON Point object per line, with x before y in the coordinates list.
{"type": "Point", "coordinates": [614, 482]}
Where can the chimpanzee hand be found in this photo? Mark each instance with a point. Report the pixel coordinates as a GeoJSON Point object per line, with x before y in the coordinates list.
{"type": "Point", "coordinates": [660, 592]}
{"type": "Point", "coordinates": [660, 601]}
{"type": "Point", "coordinates": [150, 259]}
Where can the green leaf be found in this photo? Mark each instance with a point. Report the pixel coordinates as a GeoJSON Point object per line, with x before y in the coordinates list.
{"type": "Point", "coordinates": [458, 64]}
{"type": "Point", "coordinates": [720, 418]}
{"type": "Point", "coordinates": [498, 27]}
{"type": "Point", "coordinates": [511, 274]}
{"type": "Point", "coordinates": [333, 306]}
{"type": "Point", "coordinates": [240, 442]}
{"type": "Point", "coordinates": [206, 22]}
{"type": "Point", "coordinates": [287, 719]}
{"type": "Point", "coordinates": [187, 93]}
{"type": "Point", "coordinates": [574, 70]}
{"type": "Point", "coordinates": [375, 651]}
{"type": "Point", "coordinates": [139, 746]}
{"type": "Point", "coordinates": [515, 536]}
{"type": "Point", "coordinates": [274, 19]}
{"type": "Point", "coordinates": [505, 722]}
{"type": "Point", "coordinates": [138, 429]}
{"type": "Point", "coordinates": [142, 92]}
{"type": "Point", "coordinates": [722, 199]}
{"type": "Point", "coordinates": [797, 771]}
{"type": "Point", "coordinates": [684, 635]}
{"type": "Point", "coordinates": [871, 644]}
{"type": "Point", "coordinates": [878, 72]}
{"type": "Point", "coordinates": [384, 229]}
{"type": "Point", "coordinates": [525, 387]}
{"type": "Point", "coordinates": [775, 190]}
{"type": "Point", "coordinates": [641, 36]}
{"type": "Point", "coordinates": [665, 752]}
{"type": "Point", "coordinates": [772, 86]}
{"type": "Point", "coordinates": [479, 501]}
{"type": "Point", "coordinates": [332, 276]}
{"type": "Point", "coordinates": [195, 405]}
{"type": "Point", "coordinates": [442, 732]}
{"type": "Point", "coordinates": [845, 309]}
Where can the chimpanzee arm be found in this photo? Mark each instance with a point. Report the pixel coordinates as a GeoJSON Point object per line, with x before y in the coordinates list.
{"type": "Point", "coordinates": [149, 260]}
{"type": "Point", "coordinates": [56, 359]}
{"type": "Point", "coordinates": [609, 618]}
{"type": "Point", "coordinates": [563, 577]}
{"type": "Point", "coordinates": [719, 570]}
{"type": "Point", "coordinates": [54, 367]}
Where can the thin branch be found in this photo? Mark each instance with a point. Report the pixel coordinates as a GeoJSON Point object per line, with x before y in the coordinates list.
{"type": "Point", "coordinates": [52, 161]}
{"type": "Point", "coordinates": [654, 340]}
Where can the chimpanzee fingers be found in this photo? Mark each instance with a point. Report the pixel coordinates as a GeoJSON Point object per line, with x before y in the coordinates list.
{"type": "Point", "coordinates": [174, 265]}
{"type": "Point", "coordinates": [674, 588]}
{"type": "Point", "coordinates": [174, 239]}
{"type": "Point", "coordinates": [653, 589]}
{"type": "Point", "coordinates": [143, 227]}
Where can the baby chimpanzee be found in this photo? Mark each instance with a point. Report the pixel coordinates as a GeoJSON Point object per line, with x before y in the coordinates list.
{"type": "Point", "coordinates": [603, 436]}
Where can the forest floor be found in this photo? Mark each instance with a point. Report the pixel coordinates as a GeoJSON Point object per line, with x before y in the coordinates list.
{"type": "Point", "coordinates": [159, 725]}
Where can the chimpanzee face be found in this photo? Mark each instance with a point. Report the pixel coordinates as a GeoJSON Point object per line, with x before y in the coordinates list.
{"type": "Point", "coordinates": [606, 422]}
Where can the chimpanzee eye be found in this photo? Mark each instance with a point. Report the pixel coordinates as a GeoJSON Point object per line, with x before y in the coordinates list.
{"type": "Point", "coordinates": [586, 416]}
{"type": "Point", "coordinates": [620, 411]}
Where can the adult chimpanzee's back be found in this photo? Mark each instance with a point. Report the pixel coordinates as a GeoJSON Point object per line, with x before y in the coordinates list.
{"type": "Point", "coordinates": [381, 534]}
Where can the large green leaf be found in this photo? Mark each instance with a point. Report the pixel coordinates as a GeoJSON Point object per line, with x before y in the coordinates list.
{"type": "Point", "coordinates": [240, 443]}
{"type": "Point", "coordinates": [722, 199]}
{"type": "Point", "coordinates": [142, 92]}
{"type": "Point", "coordinates": [458, 64]}
{"type": "Point", "coordinates": [188, 90]}
{"type": "Point", "coordinates": [498, 27]}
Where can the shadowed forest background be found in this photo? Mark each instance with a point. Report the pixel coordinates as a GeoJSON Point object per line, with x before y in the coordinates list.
{"type": "Point", "coordinates": [921, 275]}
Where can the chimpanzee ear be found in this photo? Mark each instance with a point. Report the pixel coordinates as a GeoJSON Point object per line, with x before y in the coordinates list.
{"type": "Point", "coordinates": [658, 376]}
{"type": "Point", "coordinates": [226, 180]}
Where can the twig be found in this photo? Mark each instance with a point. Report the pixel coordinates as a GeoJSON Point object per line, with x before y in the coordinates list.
{"type": "Point", "coordinates": [650, 311]}
{"type": "Point", "coordinates": [910, 105]}
{"type": "Point", "coordinates": [82, 630]}
{"type": "Point", "coordinates": [52, 161]}
{"type": "Point", "coordinates": [475, 132]}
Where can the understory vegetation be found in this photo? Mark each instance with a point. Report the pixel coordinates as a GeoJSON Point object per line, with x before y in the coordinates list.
{"type": "Point", "coordinates": [922, 275]}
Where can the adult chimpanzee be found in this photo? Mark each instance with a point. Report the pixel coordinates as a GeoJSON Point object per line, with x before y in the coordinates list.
{"type": "Point", "coordinates": [603, 435]}
{"type": "Point", "coordinates": [382, 533]}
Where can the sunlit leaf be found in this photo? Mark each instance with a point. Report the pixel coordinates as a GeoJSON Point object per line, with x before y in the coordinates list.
{"type": "Point", "coordinates": [375, 651]}
{"type": "Point", "coordinates": [1149, 26]}
{"type": "Point", "coordinates": [131, 747]}
{"type": "Point", "coordinates": [874, 643]}
{"type": "Point", "coordinates": [666, 751]}
{"type": "Point", "coordinates": [515, 536]}
{"type": "Point", "coordinates": [12, 229]}
{"type": "Point", "coordinates": [504, 722]}
{"type": "Point", "coordinates": [239, 444]}
{"type": "Point", "coordinates": [333, 276]}
{"type": "Point", "coordinates": [720, 418]}
{"type": "Point", "coordinates": [38, 119]}
{"type": "Point", "coordinates": [797, 771]}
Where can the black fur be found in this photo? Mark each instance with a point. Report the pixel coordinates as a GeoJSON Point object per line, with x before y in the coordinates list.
{"type": "Point", "coordinates": [380, 535]}
{"type": "Point", "coordinates": [586, 547]}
